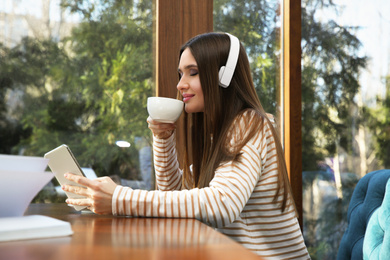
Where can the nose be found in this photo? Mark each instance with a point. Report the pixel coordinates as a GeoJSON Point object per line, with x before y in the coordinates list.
{"type": "Point", "coordinates": [182, 85]}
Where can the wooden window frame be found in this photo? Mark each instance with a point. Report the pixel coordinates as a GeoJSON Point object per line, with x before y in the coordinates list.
{"type": "Point", "coordinates": [292, 97]}
{"type": "Point", "coordinates": [178, 21]}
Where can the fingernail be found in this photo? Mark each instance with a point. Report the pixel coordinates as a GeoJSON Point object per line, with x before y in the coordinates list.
{"type": "Point", "coordinates": [65, 175]}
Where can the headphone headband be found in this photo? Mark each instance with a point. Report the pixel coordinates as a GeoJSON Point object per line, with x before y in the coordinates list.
{"type": "Point", "coordinates": [226, 72]}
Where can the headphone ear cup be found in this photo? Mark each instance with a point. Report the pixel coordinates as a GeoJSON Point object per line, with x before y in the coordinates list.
{"type": "Point", "coordinates": [222, 82]}
{"type": "Point", "coordinates": [226, 72]}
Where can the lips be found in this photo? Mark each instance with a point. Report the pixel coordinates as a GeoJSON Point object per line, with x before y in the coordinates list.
{"type": "Point", "coordinates": [187, 97]}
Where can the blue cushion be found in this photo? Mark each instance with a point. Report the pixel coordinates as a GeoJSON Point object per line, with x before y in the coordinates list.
{"type": "Point", "coordinates": [367, 196]}
{"type": "Point", "coordinates": [376, 243]}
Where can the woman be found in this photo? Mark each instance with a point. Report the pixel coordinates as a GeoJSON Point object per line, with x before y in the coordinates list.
{"type": "Point", "coordinates": [234, 178]}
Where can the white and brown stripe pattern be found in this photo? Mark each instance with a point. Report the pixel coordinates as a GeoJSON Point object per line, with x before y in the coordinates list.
{"type": "Point", "coordinates": [239, 201]}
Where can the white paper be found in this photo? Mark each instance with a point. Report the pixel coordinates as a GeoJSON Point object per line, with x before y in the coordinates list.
{"type": "Point", "coordinates": [35, 226]}
{"type": "Point", "coordinates": [22, 177]}
{"type": "Point", "coordinates": [22, 163]}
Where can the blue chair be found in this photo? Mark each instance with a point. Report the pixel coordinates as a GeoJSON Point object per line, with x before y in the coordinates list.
{"type": "Point", "coordinates": [366, 198]}
{"type": "Point", "coordinates": [376, 243]}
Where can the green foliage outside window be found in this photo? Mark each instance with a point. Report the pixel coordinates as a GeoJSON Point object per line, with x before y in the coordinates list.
{"type": "Point", "coordinates": [379, 122]}
{"type": "Point", "coordinates": [89, 90]}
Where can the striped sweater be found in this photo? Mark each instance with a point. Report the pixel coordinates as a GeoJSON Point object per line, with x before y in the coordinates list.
{"type": "Point", "coordinates": [239, 201]}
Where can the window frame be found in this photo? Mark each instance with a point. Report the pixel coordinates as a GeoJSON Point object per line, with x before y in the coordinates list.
{"type": "Point", "coordinates": [292, 97]}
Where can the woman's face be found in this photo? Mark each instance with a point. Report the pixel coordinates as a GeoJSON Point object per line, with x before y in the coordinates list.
{"type": "Point", "coordinates": [189, 84]}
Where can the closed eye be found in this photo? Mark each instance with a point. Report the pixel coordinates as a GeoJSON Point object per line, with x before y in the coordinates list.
{"type": "Point", "coordinates": [191, 69]}
{"type": "Point", "coordinates": [193, 72]}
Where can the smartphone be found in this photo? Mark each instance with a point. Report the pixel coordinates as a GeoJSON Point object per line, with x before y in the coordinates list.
{"type": "Point", "coordinates": [61, 161]}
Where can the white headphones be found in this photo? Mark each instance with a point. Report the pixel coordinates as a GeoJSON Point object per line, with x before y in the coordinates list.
{"type": "Point", "coordinates": [226, 72]}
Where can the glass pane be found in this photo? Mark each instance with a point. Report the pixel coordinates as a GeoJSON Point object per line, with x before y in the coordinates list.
{"type": "Point", "coordinates": [78, 73]}
{"type": "Point", "coordinates": [257, 25]}
{"type": "Point", "coordinates": [345, 110]}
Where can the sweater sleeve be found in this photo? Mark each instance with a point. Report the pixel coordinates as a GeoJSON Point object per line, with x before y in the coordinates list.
{"type": "Point", "coordinates": [217, 205]}
{"type": "Point", "coordinates": [168, 173]}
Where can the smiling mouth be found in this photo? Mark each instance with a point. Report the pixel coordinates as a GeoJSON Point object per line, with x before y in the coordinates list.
{"type": "Point", "coordinates": [186, 98]}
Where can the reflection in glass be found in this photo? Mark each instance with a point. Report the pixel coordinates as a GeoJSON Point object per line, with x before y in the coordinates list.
{"type": "Point", "coordinates": [257, 25]}
{"type": "Point", "coordinates": [345, 72]}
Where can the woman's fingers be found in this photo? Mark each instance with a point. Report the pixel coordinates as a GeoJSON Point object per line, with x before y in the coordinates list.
{"type": "Point", "coordinates": [79, 190]}
{"type": "Point", "coordinates": [161, 130]}
{"type": "Point", "coordinates": [160, 126]}
{"type": "Point", "coordinates": [79, 202]}
{"type": "Point", "coordinates": [97, 192]}
{"type": "Point", "coordinates": [83, 191]}
{"type": "Point", "coordinates": [79, 179]}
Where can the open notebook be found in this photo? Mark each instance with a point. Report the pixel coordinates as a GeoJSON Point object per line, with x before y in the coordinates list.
{"type": "Point", "coordinates": [34, 226]}
{"type": "Point", "coordinates": [22, 177]}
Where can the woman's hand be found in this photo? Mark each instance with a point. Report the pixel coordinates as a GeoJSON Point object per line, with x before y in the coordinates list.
{"type": "Point", "coordinates": [98, 193]}
{"type": "Point", "coordinates": [161, 130]}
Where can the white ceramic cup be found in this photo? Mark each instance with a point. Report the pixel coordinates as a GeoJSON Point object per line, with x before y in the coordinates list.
{"type": "Point", "coordinates": [164, 110]}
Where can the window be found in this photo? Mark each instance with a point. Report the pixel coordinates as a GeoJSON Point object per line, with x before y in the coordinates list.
{"type": "Point", "coordinates": [345, 118]}
{"type": "Point", "coordinates": [79, 74]}
{"type": "Point", "coordinates": [259, 31]}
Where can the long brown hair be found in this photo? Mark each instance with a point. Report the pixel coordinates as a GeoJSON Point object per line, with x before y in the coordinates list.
{"type": "Point", "coordinates": [206, 133]}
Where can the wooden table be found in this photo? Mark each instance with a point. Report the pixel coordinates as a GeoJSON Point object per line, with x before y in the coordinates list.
{"type": "Point", "coordinates": [106, 237]}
